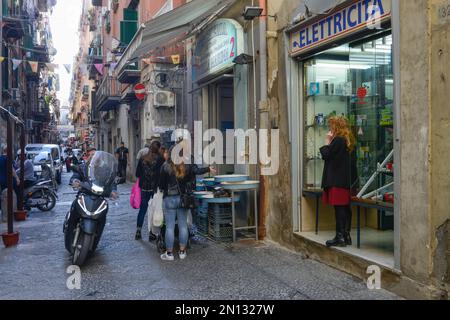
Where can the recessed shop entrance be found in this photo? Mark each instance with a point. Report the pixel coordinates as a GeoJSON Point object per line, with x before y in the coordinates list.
{"type": "Point", "coordinates": [354, 80]}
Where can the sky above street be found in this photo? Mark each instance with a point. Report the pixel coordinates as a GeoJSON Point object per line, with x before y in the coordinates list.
{"type": "Point", "coordinates": [64, 27]}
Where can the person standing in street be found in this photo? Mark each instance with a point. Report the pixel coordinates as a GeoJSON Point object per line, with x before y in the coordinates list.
{"type": "Point", "coordinates": [337, 177]}
{"type": "Point", "coordinates": [177, 180]}
{"type": "Point", "coordinates": [148, 171]}
{"type": "Point", "coordinates": [122, 158]}
{"type": "Point", "coordinates": [29, 177]}
{"type": "Point", "coordinates": [4, 173]}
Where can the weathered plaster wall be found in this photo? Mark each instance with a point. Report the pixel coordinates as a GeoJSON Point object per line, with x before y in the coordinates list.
{"type": "Point", "coordinates": [425, 127]}
{"type": "Point", "coordinates": [440, 131]}
{"type": "Point", "coordinates": [415, 133]}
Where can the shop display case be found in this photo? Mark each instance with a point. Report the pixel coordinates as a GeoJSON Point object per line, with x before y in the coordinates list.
{"type": "Point", "coordinates": [358, 84]}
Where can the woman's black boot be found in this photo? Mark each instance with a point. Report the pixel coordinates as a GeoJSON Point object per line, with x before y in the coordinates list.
{"type": "Point", "coordinates": [339, 240]}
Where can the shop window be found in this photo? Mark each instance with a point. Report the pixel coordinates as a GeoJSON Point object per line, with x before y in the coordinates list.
{"type": "Point", "coordinates": [355, 81]}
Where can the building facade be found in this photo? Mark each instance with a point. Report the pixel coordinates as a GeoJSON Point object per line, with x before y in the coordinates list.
{"type": "Point", "coordinates": [382, 74]}
{"type": "Point", "coordinates": [27, 79]}
{"type": "Point", "coordinates": [381, 63]}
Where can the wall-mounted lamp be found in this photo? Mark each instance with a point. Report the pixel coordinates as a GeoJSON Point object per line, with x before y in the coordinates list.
{"type": "Point", "coordinates": [243, 59]}
{"type": "Point", "coordinates": [251, 13]}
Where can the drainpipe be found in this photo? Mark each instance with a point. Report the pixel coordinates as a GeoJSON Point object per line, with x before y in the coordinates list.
{"type": "Point", "coordinates": [264, 116]}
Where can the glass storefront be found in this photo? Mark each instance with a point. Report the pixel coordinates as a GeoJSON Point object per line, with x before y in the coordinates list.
{"type": "Point", "coordinates": [354, 80]}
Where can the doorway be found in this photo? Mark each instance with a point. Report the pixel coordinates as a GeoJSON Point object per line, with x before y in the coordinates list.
{"type": "Point", "coordinates": [221, 116]}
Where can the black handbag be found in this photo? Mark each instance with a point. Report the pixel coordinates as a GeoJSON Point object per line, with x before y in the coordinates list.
{"type": "Point", "coordinates": [187, 200]}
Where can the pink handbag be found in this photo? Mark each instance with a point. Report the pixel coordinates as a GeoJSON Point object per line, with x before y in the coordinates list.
{"type": "Point", "coordinates": [135, 197]}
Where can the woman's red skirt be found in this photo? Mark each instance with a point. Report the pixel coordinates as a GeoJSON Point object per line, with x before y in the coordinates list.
{"type": "Point", "coordinates": [336, 196]}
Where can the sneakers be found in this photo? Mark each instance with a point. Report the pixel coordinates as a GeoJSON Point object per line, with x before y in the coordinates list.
{"type": "Point", "coordinates": [138, 235]}
{"type": "Point", "coordinates": [167, 257]}
{"type": "Point", "coordinates": [183, 255]}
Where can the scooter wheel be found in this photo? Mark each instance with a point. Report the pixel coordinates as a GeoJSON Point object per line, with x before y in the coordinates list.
{"type": "Point", "coordinates": [51, 203]}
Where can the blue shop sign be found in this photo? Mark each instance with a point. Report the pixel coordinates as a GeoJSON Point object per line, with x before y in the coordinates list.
{"type": "Point", "coordinates": [357, 16]}
{"type": "Point", "coordinates": [216, 48]}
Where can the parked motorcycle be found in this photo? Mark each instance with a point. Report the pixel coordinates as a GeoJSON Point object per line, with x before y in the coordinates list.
{"type": "Point", "coordinates": [84, 223]}
{"type": "Point", "coordinates": [40, 195]}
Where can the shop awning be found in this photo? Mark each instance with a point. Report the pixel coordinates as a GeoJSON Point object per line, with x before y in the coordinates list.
{"type": "Point", "coordinates": [179, 24]}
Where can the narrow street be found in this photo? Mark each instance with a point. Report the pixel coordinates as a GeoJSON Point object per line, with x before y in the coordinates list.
{"type": "Point", "coordinates": [125, 269]}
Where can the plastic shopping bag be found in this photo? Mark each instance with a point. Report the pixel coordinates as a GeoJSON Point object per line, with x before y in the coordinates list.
{"type": "Point", "coordinates": [135, 197]}
{"type": "Point", "coordinates": [151, 228]}
{"type": "Point", "coordinates": [158, 214]}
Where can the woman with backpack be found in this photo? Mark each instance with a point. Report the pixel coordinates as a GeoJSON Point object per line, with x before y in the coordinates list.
{"type": "Point", "coordinates": [148, 170]}
{"type": "Point", "coordinates": [177, 181]}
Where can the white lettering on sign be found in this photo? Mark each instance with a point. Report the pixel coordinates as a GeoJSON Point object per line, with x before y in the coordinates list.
{"type": "Point", "coordinates": [362, 14]}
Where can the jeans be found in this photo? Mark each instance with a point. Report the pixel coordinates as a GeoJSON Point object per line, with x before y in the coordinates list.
{"type": "Point", "coordinates": [173, 213]}
{"type": "Point", "coordinates": [122, 169]}
{"type": "Point", "coordinates": [145, 198]}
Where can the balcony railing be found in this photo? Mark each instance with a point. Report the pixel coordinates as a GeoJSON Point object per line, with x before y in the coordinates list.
{"type": "Point", "coordinates": [13, 20]}
{"type": "Point", "coordinates": [108, 94]}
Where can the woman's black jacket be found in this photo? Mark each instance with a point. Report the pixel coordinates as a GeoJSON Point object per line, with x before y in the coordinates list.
{"type": "Point", "coordinates": [340, 165]}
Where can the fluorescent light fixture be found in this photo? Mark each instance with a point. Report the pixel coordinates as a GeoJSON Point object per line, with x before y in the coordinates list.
{"type": "Point", "coordinates": [343, 66]}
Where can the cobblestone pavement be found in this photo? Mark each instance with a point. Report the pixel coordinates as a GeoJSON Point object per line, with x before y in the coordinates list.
{"type": "Point", "coordinates": [123, 268]}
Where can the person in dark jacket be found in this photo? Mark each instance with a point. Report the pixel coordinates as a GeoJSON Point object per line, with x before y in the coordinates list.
{"type": "Point", "coordinates": [148, 170]}
{"type": "Point", "coordinates": [337, 177]}
{"type": "Point", "coordinates": [176, 180]}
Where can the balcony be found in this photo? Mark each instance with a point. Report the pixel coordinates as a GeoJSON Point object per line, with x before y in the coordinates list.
{"type": "Point", "coordinates": [94, 57]}
{"type": "Point", "coordinates": [128, 95]}
{"type": "Point", "coordinates": [108, 94]}
{"type": "Point", "coordinates": [129, 74]}
{"type": "Point", "coordinates": [41, 53]}
{"type": "Point", "coordinates": [42, 115]}
{"type": "Point", "coordinates": [13, 21]}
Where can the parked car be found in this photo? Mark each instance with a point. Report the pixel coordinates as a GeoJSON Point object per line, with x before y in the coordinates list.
{"type": "Point", "coordinates": [44, 168]}
{"type": "Point", "coordinates": [55, 152]}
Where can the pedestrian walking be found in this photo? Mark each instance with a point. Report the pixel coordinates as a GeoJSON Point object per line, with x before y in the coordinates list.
{"type": "Point", "coordinates": [337, 181]}
{"type": "Point", "coordinates": [122, 158]}
{"type": "Point", "coordinates": [148, 171]}
{"type": "Point", "coordinates": [177, 181]}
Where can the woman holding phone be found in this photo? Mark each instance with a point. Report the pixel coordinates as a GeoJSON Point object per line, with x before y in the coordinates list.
{"type": "Point", "coordinates": [337, 181]}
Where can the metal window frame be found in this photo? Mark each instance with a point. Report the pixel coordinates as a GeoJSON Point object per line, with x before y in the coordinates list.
{"type": "Point", "coordinates": [294, 76]}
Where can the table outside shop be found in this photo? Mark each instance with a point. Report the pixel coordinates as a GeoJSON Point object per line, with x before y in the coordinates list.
{"type": "Point", "coordinates": [236, 189]}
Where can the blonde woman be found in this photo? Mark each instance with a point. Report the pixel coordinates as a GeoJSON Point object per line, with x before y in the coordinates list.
{"type": "Point", "coordinates": [177, 180]}
{"type": "Point", "coordinates": [337, 173]}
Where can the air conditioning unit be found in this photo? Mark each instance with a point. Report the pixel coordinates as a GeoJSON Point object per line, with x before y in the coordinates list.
{"type": "Point", "coordinates": [164, 99]}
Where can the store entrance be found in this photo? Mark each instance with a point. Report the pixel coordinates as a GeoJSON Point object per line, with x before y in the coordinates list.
{"type": "Point", "coordinates": [356, 81]}
{"type": "Point", "coordinates": [221, 116]}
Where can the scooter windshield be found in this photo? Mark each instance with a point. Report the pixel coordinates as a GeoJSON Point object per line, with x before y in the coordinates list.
{"type": "Point", "coordinates": [102, 170]}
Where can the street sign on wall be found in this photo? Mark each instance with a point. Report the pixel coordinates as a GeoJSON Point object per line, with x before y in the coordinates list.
{"type": "Point", "coordinates": [140, 91]}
